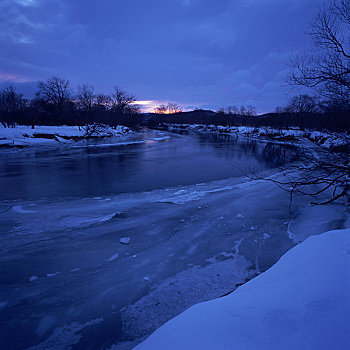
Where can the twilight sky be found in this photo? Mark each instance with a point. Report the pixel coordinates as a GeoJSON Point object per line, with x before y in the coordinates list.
{"type": "Point", "coordinates": [198, 53]}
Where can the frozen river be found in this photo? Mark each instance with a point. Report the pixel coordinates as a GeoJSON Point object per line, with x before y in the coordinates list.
{"type": "Point", "coordinates": [103, 242]}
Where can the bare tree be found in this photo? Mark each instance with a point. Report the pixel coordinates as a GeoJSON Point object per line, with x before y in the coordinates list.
{"type": "Point", "coordinates": [86, 98]}
{"type": "Point", "coordinates": [230, 110]}
{"type": "Point", "coordinates": [103, 102]}
{"type": "Point", "coordinates": [123, 102]}
{"type": "Point", "coordinates": [242, 110]}
{"type": "Point", "coordinates": [170, 108]}
{"type": "Point", "coordinates": [247, 110]}
{"type": "Point", "coordinates": [174, 107]}
{"type": "Point", "coordinates": [320, 172]}
{"type": "Point", "coordinates": [302, 104]}
{"type": "Point", "coordinates": [328, 67]}
{"type": "Point", "coordinates": [327, 70]}
{"type": "Point", "coordinates": [11, 103]}
{"type": "Point", "coordinates": [250, 111]}
{"type": "Point", "coordinates": [55, 92]}
{"type": "Point", "coordinates": [162, 109]}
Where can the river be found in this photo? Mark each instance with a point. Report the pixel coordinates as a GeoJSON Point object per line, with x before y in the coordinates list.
{"type": "Point", "coordinates": [104, 241]}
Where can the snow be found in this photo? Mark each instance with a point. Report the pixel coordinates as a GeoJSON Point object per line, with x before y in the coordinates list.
{"type": "Point", "coordinates": [173, 295]}
{"type": "Point", "coordinates": [68, 222]}
{"type": "Point", "coordinates": [160, 138]}
{"type": "Point", "coordinates": [75, 270]}
{"type": "Point", "coordinates": [107, 217]}
{"type": "Point", "coordinates": [67, 334]}
{"type": "Point", "coordinates": [125, 240]}
{"type": "Point", "coordinates": [62, 140]}
{"type": "Point", "coordinates": [326, 139]}
{"type": "Point", "coordinates": [188, 195]}
{"type": "Point", "coordinates": [53, 274]}
{"type": "Point", "coordinates": [116, 144]}
{"type": "Point", "coordinates": [113, 257]}
{"type": "Point", "coordinates": [5, 142]}
{"type": "Point", "coordinates": [22, 135]}
{"type": "Point", "coordinates": [19, 209]}
{"type": "Point", "coordinates": [302, 302]}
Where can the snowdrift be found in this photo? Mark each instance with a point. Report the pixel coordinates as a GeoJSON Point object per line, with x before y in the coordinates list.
{"type": "Point", "coordinates": [302, 302]}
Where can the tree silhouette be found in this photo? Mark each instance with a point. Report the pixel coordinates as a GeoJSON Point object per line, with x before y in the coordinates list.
{"type": "Point", "coordinates": [327, 69]}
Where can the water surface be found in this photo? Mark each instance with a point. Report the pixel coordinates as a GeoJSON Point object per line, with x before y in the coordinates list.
{"type": "Point", "coordinates": [147, 161]}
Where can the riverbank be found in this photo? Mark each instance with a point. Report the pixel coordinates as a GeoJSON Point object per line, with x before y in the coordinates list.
{"type": "Point", "coordinates": [23, 135]}
{"type": "Point", "coordinates": [302, 302]}
{"type": "Point", "coordinates": [328, 140]}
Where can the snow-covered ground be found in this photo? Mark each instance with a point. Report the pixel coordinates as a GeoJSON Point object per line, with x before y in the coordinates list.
{"type": "Point", "coordinates": [22, 135]}
{"type": "Point", "coordinates": [326, 139]}
{"type": "Point", "coordinates": [302, 302]}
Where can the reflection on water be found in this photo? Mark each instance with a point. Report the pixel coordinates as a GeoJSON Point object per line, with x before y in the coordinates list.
{"type": "Point", "coordinates": [269, 155]}
{"type": "Point", "coordinates": [138, 166]}
{"type": "Point", "coordinates": [148, 162]}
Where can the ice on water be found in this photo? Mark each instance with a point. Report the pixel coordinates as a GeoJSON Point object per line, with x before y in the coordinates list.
{"type": "Point", "coordinates": [179, 254]}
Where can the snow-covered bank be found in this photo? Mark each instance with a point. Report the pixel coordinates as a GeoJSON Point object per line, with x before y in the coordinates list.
{"type": "Point", "coordinates": [22, 135]}
{"type": "Point", "coordinates": [302, 302]}
{"type": "Point", "coordinates": [329, 140]}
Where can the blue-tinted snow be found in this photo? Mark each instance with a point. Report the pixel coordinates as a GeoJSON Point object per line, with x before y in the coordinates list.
{"type": "Point", "coordinates": [300, 303]}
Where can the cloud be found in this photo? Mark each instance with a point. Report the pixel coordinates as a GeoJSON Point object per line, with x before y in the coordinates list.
{"type": "Point", "coordinates": [196, 52]}
{"type": "Point", "coordinates": [27, 3]}
{"type": "Point", "coordinates": [10, 77]}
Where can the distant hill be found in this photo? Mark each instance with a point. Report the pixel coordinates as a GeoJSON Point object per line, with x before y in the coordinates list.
{"type": "Point", "coordinates": [318, 121]}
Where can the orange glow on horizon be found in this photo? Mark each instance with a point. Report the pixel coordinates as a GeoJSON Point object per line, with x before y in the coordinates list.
{"type": "Point", "coordinates": [152, 106]}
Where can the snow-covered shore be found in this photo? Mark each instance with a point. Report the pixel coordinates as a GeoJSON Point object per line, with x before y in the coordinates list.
{"type": "Point", "coordinates": [22, 135]}
{"type": "Point", "coordinates": [326, 139]}
{"type": "Point", "coordinates": [302, 302]}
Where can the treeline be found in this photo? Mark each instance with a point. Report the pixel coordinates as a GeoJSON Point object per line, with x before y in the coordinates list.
{"type": "Point", "coordinates": [55, 103]}
{"type": "Point", "coordinates": [301, 111]}
{"type": "Point", "coordinates": [333, 121]}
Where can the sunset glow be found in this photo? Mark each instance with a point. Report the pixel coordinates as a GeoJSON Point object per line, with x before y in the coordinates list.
{"type": "Point", "coordinates": [151, 106]}
{"type": "Point", "coordinates": [4, 77]}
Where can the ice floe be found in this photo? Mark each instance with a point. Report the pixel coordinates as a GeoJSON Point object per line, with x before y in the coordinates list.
{"type": "Point", "coordinates": [125, 240]}
{"type": "Point", "coordinates": [19, 209]}
{"type": "Point", "coordinates": [53, 274]}
{"type": "Point", "coordinates": [113, 257]}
